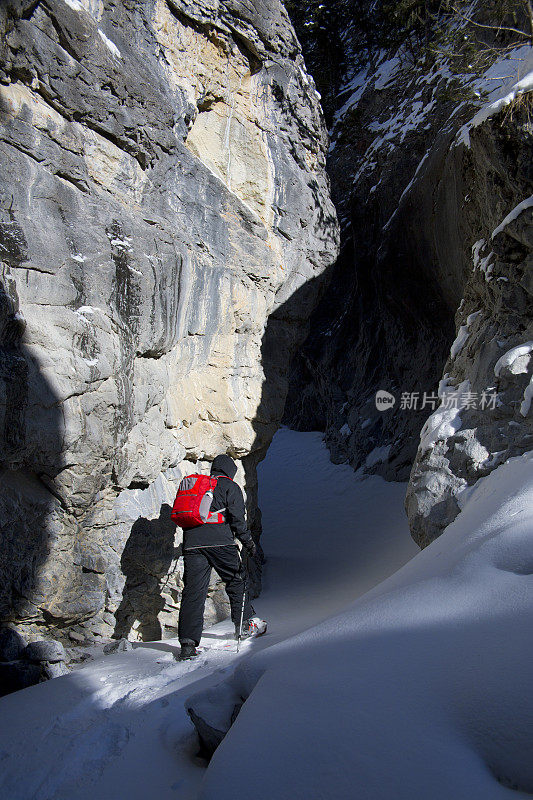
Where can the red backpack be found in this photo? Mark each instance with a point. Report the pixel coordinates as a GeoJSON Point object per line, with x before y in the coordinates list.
{"type": "Point", "coordinates": [192, 506]}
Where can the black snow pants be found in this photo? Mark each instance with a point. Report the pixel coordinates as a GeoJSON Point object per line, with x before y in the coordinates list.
{"type": "Point", "coordinates": [226, 561]}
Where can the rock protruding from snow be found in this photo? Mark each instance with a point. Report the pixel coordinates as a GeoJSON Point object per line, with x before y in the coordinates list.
{"type": "Point", "coordinates": [17, 675]}
{"type": "Point", "coordinates": [213, 713]}
{"type": "Point", "coordinates": [117, 647]}
{"type": "Point", "coordinates": [45, 650]}
{"type": "Point", "coordinates": [494, 369]}
{"type": "Point", "coordinates": [24, 665]}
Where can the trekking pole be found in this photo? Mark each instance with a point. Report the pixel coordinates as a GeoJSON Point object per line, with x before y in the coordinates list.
{"type": "Point", "coordinates": [171, 572]}
{"type": "Point", "coordinates": [242, 608]}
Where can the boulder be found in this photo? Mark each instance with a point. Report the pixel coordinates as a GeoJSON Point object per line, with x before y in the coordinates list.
{"type": "Point", "coordinates": [54, 669]}
{"type": "Point", "coordinates": [45, 650]}
{"type": "Point", "coordinates": [121, 646]}
{"type": "Point", "coordinates": [15, 675]}
{"type": "Point", "coordinates": [11, 644]}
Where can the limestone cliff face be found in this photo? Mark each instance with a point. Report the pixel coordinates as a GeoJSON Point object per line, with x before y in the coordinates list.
{"type": "Point", "coordinates": [165, 220]}
{"type": "Point", "coordinates": [418, 199]}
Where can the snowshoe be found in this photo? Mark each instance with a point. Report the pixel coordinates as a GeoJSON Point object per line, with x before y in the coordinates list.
{"type": "Point", "coordinates": [251, 628]}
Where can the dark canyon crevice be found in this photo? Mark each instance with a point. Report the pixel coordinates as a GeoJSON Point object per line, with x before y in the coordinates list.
{"type": "Point", "coordinates": [418, 191]}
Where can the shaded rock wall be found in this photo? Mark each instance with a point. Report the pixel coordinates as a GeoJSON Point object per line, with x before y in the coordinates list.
{"type": "Point", "coordinates": [387, 318]}
{"type": "Point", "coordinates": [417, 207]}
{"type": "Point", "coordinates": [163, 194]}
{"type": "Point", "coordinates": [486, 415]}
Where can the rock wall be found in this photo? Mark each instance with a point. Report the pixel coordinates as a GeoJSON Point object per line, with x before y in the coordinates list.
{"type": "Point", "coordinates": [423, 297]}
{"type": "Point", "coordinates": [165, 220]}
{"type": "Point", "coordinates": [485, 414]}
{"type": "Point", "coordinates": [386, 320]}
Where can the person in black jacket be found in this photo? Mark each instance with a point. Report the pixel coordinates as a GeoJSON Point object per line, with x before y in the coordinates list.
{"type": "Point", "coordinates": [213, 546]}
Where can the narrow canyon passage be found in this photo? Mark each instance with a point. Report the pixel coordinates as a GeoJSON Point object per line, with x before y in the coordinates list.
{"type": "Point", "coordinates": [217, 218]}
{"type": "Point", "coordinates": [118, 726]}
{"type": "Point", "coordinates": [329, 535]}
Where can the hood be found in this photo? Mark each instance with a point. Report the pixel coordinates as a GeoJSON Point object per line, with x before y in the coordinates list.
{"type": "Point", "coordinates": [225, 465]}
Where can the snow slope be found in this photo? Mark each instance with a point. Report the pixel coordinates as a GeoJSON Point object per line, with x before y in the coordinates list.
{"type": "Point", "coordinates": [421, 689]}
{"type": "Point", "coordinates": [117, 728]}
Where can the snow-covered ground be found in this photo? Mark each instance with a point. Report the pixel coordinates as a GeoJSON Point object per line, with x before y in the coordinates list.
{"type": "Point", "coordinates": [117, 728]}
{"type": "Point", "coordinates": [329, 535]}
{"type": "Point", "coordinates": [420, 689]}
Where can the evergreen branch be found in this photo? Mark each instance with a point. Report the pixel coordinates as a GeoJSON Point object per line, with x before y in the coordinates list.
{"type": "Point", "coordinates": [495, 27]}
{"type": "Point", "coordinates": [485, 51]}
{"type": "Point", "coordinates": [529, 7]}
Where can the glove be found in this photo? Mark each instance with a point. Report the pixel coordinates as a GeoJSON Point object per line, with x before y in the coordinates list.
{"type": "Point", "coordinates": [250, 547]}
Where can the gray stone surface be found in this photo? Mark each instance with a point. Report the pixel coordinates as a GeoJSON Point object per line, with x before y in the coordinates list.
{"type": "Point", "coordinates": [11, 644]}
{"type": "Point", "coordinates": [16, 675]}
{"type": "Point", "coordinates": [494, 317]}
{"type": "Point", "coordinates": [118, 647]}
{"type": "Point", "coordinates": [54, 669]}
{"type": "Point", "coordinates": [165, 221]}
{"type": "Point", "coordinates": [45, 650]}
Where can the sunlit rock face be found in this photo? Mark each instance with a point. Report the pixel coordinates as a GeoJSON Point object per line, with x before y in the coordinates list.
{"type": "Point", "coordinates": [165, 222]}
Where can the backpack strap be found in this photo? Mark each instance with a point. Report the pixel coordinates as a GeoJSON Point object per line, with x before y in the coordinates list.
{"type": "Point", "coordinates": [218, 517]}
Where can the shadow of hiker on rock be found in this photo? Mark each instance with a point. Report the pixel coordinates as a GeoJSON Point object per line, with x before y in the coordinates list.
{"type": "Point", "coordinates": [146, 562]}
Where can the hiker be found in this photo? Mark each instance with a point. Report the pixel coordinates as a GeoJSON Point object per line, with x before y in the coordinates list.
{"type": "Point", "coordinates": [212, 545]}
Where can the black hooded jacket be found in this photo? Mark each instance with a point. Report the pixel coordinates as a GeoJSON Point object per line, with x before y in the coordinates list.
{"type": "Point", "coordinates": [227, 495]}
